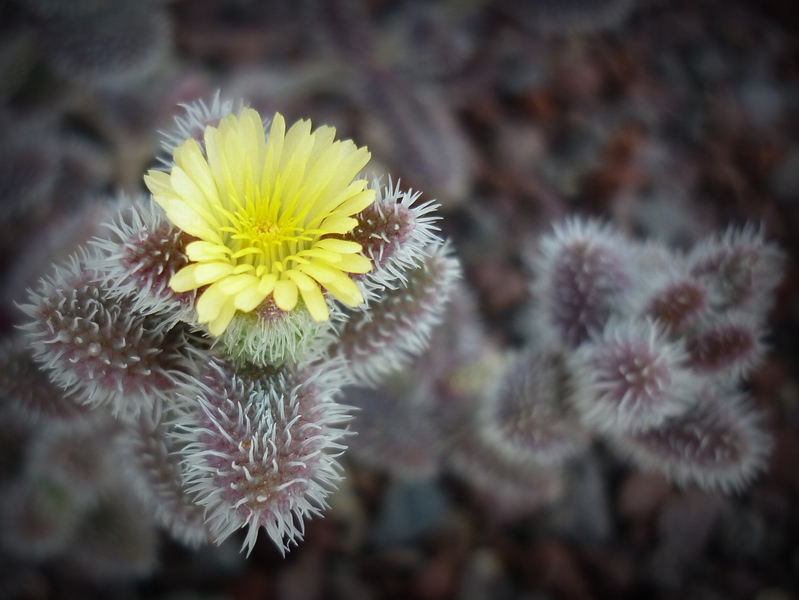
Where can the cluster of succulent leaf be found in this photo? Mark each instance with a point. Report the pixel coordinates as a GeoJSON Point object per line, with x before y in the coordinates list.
{"type": "Point", "coordinates": [652, 346]}
{"type": "Point", "coordinates": [68, 490]}
{"type": "Point", "coordinates": [241, 429]}
{"type": "Point", "coordinates": [630, 344]}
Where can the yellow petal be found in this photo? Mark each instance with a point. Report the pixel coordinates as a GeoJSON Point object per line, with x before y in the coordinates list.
{"type": "Point", "coordinates": [302, 280]}
{"type": "Point", "coordinates": [345, 291]}
{"type": "Point", "coordinates": [184, 217]}
{"type": "Point", "coordinates": [201, 251]}
{"type": "Point", "coordinates": [285, 294]}
{"type": "Point", "coordinates": [324, 173]}
{"type": "Point", "coordinates": [357, 203]}
{"type": "Point", "coordinates": [354, 263]}
{"type": "Point", "coordinates": [187, 190]}
{"type": "Point", "coordinates": [327, 255]}
{"type": "Point", "coordinates": [213, 150]}
{"type": "Point", "coordinates": [248, 299]}
{"type": "Point", "coordinates": [184, 280]}
{"type": "Point", "coordinates": [243, 268]}
{"type": "Point", "coordinates": [245, 251]}
{"type": "Point", "coordinates": [311, 295]}
{"type": "Point", "coordinates": [298, 135]}
{"type": "Point", "coordinates": [206, 273]}
{"type": "Point", "coordinates": [234, 164]}
{"type": "Point", "coordinates": [320, 272]}
{"type": "Point", "coordinates": [254, 142]}
{"type": "Point", "coordinates": [190, 158]}
{"type": "Point", "coordinates": [210, 304]}
{"type": "Point", "coordinates": [334, 281]}
{"type": "Point", "coordinates": [324, 136]}
{"type": "Point", "coordinates": [347, 165]}
{"type": "Point", "coordinates": [353, 159]}
{"type": "Point", "coordinates": [331, 199]}
{"type": "Point", "coordinates": [338, 246]}
{"type": "Point", "coordinates": [236, 283]}
{"type": "Point", "coordinates": [274, 151]}
{"type": "Point", "coordinates": [267, 284]}
{"type": "Point", "coordinates": [338, 225]}
{"type": "Point", "coordinates": [159, 183]}
{"type": "Point", "coordinates": [293, 173]}
{"type": "Point", "coordinates": [218, 325]}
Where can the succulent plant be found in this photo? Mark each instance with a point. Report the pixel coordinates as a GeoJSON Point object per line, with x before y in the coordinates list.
{"type": "Point", "coordinates": [217, 323]}
{"type": "Point", "coordinates": [213, 334]}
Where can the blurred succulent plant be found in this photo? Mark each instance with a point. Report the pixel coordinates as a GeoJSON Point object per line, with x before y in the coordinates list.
{"type": "Point", "coordinates": [571, 16]}
{"type": "Point", "coordinates": [648, 359]}
{"type": "Point", "coordinates": [655, 345]}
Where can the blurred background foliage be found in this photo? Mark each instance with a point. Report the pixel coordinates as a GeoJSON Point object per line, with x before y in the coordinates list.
{"type": "Point", "coordinates": [670, 118]}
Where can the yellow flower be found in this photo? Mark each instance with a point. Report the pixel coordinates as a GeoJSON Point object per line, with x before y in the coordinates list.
{"type": "Point", "coordinates": [269, 213]}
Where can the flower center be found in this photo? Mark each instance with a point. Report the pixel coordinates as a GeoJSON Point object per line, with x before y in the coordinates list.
{"type": "Point", "coordinates": [262, 241]}
{"type": "Point", "coordinates": [267, 232]}
{"type": "Point", "coordinates": [262, 234]}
